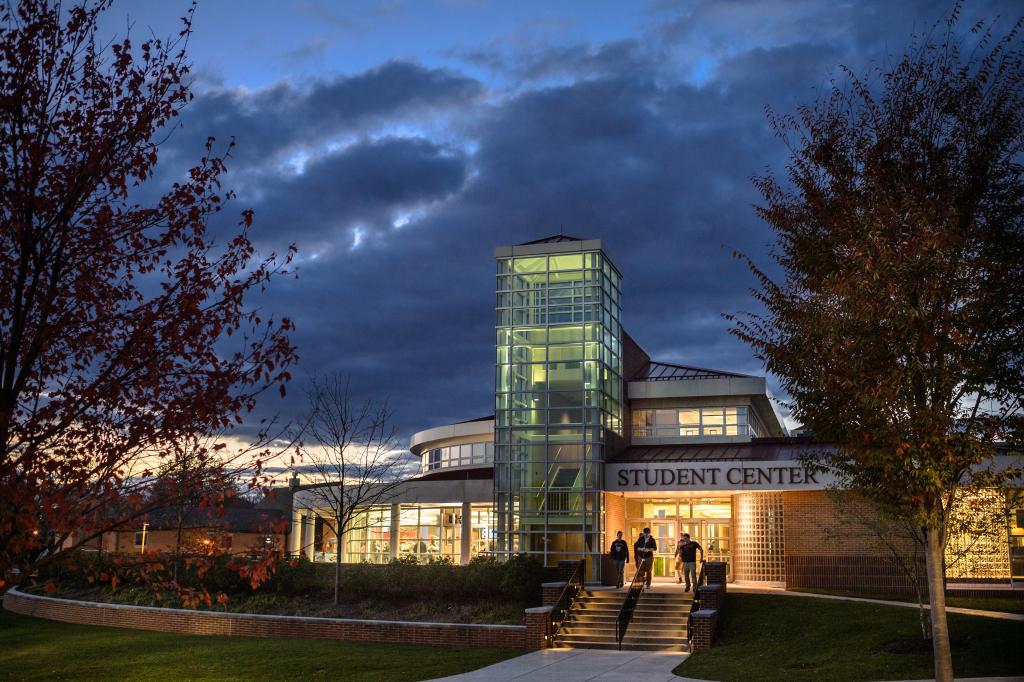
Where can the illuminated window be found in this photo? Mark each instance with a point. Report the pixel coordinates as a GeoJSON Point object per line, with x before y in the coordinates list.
{"type": "Point", "coordinates": [463, 455]}
{"type": "Point", "coordinates": [694, 422]}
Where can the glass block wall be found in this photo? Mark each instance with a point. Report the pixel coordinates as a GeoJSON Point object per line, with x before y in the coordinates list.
{"type": "Point", "coordinates": [977, 547]}
{"type": "Point", "coordinates": [558, 393]}
{"type": "Point", "coordinates": [760, 540]}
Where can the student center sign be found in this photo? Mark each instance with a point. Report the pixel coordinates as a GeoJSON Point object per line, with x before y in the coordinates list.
{"type": "Point", "coordinates": [590, 435]}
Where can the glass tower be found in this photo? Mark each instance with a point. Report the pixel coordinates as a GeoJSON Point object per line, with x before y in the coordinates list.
{"type": "Point", "coordinates": [558, 396]}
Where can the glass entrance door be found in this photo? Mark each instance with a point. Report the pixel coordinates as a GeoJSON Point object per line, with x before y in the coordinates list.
{"type": "Point", "coordinates": [665, 534]}
{"type": "Point", "coordinates": [707, 520]}
{"type": "Point", "coordinates": [714, 536]}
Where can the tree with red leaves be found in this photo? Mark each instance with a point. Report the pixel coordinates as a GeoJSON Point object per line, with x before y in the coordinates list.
{"type": "Point", "coordinates": [897, 327]}
{"type": "Point", "coordinates": [114, 314]}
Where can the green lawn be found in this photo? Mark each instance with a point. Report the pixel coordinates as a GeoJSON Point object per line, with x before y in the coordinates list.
{"type": "Point", "coordinates": [35, 649]}
{"type": "Point", "coordinates": [778, 637]}
{"type": "Point", "coordinates": [1008, 605]}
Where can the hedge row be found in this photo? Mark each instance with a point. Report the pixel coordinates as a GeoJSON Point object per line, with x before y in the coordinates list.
{"type": "Point", "coordinates": [517, 579]}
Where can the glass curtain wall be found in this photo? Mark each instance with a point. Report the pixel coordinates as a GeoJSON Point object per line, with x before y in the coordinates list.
{"type": "Point", "coordinates": [426, 532]}
{"type": "Point", "coordinates": [558, 391]}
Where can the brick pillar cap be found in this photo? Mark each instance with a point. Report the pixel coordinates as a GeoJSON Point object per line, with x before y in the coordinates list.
{"type": "Point", "coordinates": [557, 583]}
{"type": "Point", "coordinates": [540, 609]}
{"type": "Point", "coordinates": [705, 613]}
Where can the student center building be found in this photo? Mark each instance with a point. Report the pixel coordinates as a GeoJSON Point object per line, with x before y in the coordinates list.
{"type": "Point", "coordinates": [590, 436]}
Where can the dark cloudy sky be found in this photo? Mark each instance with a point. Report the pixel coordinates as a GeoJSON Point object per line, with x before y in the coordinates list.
{"type": "Point", "coordinates": [398, 142]}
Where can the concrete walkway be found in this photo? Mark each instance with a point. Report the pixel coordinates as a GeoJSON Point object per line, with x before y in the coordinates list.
{"type": "Point", "coordinates": [747, 589]}
{"type": "Point", "coordinates": [577, 665]}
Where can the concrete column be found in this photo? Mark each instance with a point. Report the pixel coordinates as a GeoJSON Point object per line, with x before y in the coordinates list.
{"type": "Point", "coordinates": [295, 535]}
{"type": "Point", "coordinates": [396, 513]}
{"type": "Point", "coordinates": [467, 532]}
{"type": "Point", "coordinates": [310, 534]}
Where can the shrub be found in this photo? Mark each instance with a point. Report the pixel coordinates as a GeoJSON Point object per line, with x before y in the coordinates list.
{"type": "Point", "coordinates": [296, 576]}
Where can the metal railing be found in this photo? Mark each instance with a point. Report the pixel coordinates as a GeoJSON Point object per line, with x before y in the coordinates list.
{"type": "Point", "coordinates": [560, 609]}
{"type": "Point", "coordinates": [636, 586]}
{"type": "Point", "coordinates": [696, 601]}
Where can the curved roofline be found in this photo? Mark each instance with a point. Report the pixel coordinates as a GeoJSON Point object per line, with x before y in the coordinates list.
{"type": "Point", "coordinates": [421, 440]}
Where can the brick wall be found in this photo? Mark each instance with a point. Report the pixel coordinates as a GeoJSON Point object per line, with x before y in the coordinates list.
{"type": "Point", "coordinates": [711, 597]}
{"type": "Point", "coordinates": [614, 520]}
{"type": "Point", "coordinates": [829, 547]}
{"type": "Point", "coordinates": [538, 628]}
{"type": "Point", "coordinates": [703, 624]}
{"type": "Point", "coordinates": [717, 573]}
{"type": "Point", "coordinates": [550, 592]}
{"type": "Point", "coordinates": [293, 627]}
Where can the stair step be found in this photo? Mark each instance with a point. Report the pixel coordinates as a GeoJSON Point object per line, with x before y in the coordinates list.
{"type": "Point", "coordinates": [659, 622]}
{"type": "Point", "coordinates": [585, 634]}
{"type": "Point", "coordinates": [656, 634]}
{"type": "Point", "coordinates": [626, 646]}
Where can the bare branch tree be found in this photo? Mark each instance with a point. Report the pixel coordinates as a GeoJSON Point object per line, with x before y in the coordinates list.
{"type": "Point", "coordinates": [353, 458]}
{"type": "Point", "coordinates": [977, 518]}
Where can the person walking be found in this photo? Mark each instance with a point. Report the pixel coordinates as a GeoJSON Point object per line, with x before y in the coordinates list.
{"type": "Point", "coordinates": [686, 560]}
{"type": "Point", "coordinates": [619, 553]}
{"type": "Point", "coordinates": [643, 551]}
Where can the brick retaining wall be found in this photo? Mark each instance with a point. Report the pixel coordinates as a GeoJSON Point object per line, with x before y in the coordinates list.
{"type": "Point", "coordinates": [259, 625]}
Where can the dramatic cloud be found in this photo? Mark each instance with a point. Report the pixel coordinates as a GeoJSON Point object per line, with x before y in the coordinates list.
{"type": "Point", "coordinates": [397, 184]}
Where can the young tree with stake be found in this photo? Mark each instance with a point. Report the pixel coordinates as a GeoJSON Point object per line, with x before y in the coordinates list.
{"type": "Point", "coordinates": [352, 458]}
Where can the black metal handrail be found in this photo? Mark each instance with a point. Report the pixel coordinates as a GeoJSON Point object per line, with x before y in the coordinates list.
{"type": "Point", "coordinates": [696, 601]}
{"type": "Point", "coordinates": [560, 609]}
{"type": "Point", "coordinates": [636, 586]}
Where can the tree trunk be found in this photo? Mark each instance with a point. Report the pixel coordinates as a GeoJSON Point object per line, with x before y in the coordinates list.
{"type": "Point", "coordinates": [923, 613]}
{"type": "Point", "coordinates": [337, 560]}
{"type": "Point", "coordinates": [937, 596]}
{"type": "Point", "coordinates": [337, 577]}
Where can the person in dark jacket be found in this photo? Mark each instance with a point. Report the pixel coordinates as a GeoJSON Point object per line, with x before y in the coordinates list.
{"type": "Point", "coordinates": [686, 560]}
{"type": "Point", "coordinates": [643, 551]}
{"type": "Point", "coordinates": [620, 555]}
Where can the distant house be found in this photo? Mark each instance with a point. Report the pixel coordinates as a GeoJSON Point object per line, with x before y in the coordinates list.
{"type": "Point", "coordinates": [234, 529]}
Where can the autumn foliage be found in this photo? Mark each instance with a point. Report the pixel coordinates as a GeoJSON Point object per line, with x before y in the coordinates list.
{"type": "Point", "coordinates": [898, 321]}
{"type": "Point", "coordinates": [124, 331]}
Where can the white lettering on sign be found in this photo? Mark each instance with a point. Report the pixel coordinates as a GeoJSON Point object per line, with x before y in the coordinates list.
{"type": "Point", "coordinates": [778, 475]}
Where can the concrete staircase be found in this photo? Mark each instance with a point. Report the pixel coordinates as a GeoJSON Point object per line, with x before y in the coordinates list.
{"type": "Point", "coordinates": [659, 621]}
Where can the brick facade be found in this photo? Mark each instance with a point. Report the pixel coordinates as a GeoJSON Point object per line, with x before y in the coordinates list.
{"type": "Point", "coordinates": [614, 520]}
{"type": "Point", "coordinates": [828, 547]}
{"type": "Point", "coordinates": [529, 636]}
